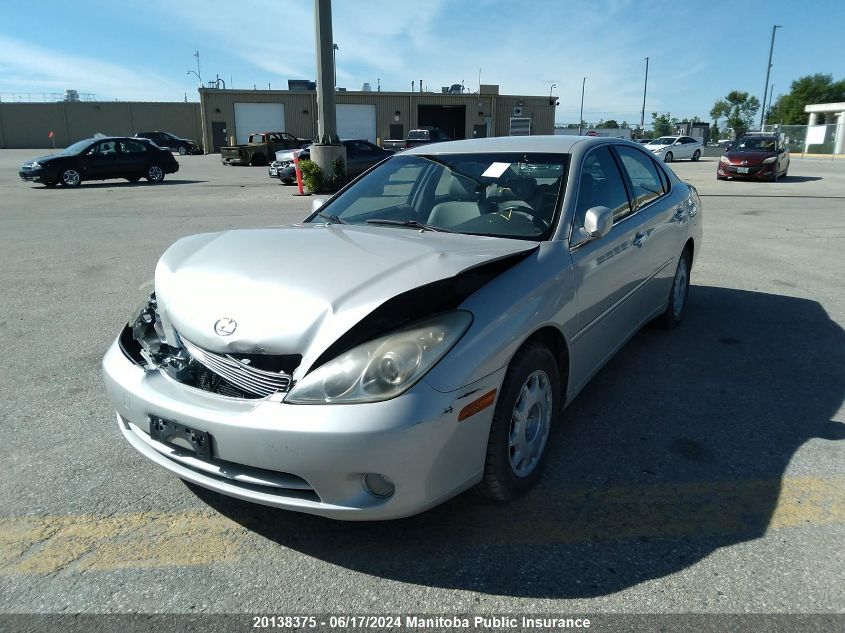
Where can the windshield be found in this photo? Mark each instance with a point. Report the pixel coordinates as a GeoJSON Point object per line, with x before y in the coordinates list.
{"type": "Point", "coordinates": [759, 144]}
{"type": "Point", "coordinates": [72, 150]}
{"type": "Point", "coordinates": [503, 194]}
{"type": "Point", "coordinates": [664, 140]}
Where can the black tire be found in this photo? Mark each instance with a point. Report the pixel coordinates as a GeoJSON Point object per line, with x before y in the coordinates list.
{"type": "Point", "coordinates": [155, 174]}
{"type": "Point", "coordinates": [674, 313]}
{"type": "Point", "coordinates": [70, 177]}
{"type": "Point", "coordinates": [286, 182]}
{"type": "Point", "coordinates": [668, 157]}
{"type": "Point", "coordinates": [696, 155]}
{"type": "Point", "coordinates": [501, 481]}
{"type": "Point", "coordinates": [183, 151]}
{"type": "Point", "coordinates": [258, 160]}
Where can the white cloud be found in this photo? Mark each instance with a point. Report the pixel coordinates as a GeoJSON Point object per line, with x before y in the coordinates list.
{"type": "Point", "coordinates": [39, 69]}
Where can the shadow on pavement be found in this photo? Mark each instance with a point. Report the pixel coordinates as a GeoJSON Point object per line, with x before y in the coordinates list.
{"type": "Point", "coordinates": [676, 449]}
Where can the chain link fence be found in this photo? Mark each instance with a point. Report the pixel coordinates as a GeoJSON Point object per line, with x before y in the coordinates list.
{"type": "Point", "coordinates": [812, 140]}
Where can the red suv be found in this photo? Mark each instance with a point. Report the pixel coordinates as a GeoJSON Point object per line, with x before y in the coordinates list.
{"type": "Point", "coordinates": [757, 157]}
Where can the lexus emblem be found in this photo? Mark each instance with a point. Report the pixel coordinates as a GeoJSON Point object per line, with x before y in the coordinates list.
{"type": "Point", "coordinates": [225, 327]}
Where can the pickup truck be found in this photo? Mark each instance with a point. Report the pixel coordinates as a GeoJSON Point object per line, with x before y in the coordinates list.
{"type": "Point", "coordinates": [425, 135]}
{"type": "Point", "coordinates": [260, 146]}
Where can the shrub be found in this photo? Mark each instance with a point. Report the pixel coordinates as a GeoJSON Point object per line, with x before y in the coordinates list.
{"type": "Point", "coordinates": [312, 176]}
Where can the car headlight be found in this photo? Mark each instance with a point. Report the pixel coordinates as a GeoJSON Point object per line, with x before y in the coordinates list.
{"type": "Point", "coordinates": [384, 367]}
{"type": "Point", "coordinates": [35, 165]}
{"type": "Point", "coordinates": [657, 150]}
{"type": "Point", "coordinates": [769, 160]}
{"type": "Point", "coordinates": [724, 159]}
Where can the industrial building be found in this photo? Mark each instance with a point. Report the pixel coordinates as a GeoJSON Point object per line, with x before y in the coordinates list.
{"type": "Point", "coordinates": [226, 117]}
{"type": "Point", "coordinates": [230, 116]}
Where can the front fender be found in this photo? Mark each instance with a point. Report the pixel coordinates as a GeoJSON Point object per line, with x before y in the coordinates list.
{"type": "Point", "coordinates": [537, 292]}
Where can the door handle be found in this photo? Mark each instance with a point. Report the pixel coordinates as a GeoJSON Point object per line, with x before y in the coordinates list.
{"type": "Point", "coordinates": [639, 239]}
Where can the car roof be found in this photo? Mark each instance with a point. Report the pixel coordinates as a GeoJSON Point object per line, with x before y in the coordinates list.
{"type": "Point", "coordinates": [553, 143]}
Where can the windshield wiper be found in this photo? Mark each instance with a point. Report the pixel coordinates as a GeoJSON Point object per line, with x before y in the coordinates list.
{"type": "Point", "coordinates": [411, 223]}
{"type": "Point", "coordinates": [333, 219]}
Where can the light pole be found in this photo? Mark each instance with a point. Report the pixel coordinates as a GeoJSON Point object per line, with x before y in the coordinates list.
{"type": "Point", "coordinates": [198, 73]}
{"type": "Point", "coordinates": [581, 116]}
{"type": "Point", "coordinates": [553, 86]}
{"type": "Point", "coordinates": [645, 88]}
{"type": "Point", "coordinates": [775, 27]}
{"type": "Point", "coordinates": [335, 49]}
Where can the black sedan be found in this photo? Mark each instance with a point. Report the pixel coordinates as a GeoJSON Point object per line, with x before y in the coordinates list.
{"type": "Point", "coordinates": [360, 156]}
{"type": "Point", "coordinates": [101, 159]}
{"type": "Point", "coordinates": [168, 141]}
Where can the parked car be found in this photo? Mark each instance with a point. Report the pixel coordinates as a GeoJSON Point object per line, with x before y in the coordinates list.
{"type": "Point", "coordinates": [100, 159]}
{"type": "Point", "coordinates": [755, 156]}
{"type": "Point", "coordinates": [360, 156]}
{"type": "Point", "coordinates": [259, 148]}
{"type": "Point", "coordinates": [424, 135]}
{"type": "Point", "coordinates": [671, 148]}
{"type": "Point", "coordinates": [171, 142]}
{"type": "Point", "coordinates": [417, 335]}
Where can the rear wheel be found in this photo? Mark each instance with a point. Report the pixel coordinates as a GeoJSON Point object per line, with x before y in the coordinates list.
{"type": "Point", "coordinates": [521, 424]}
{"type": "Point", "coordinates": [696, 155]}
{"type": "Point", "coordinates": [668, 157]}
{"type": "Point", "coordinates": [70, 178]}
{"type": "Point", "coordinates": [677, 307]}
{"type": "Point", "coordinates": [155, 173]}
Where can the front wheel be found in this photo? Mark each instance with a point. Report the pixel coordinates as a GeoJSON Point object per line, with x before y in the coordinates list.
{"type": "Point", "coordinates": [668, 157]}
{"type": "Point", "coordinates": [677, 307]}
{"type": "Point", "coordinates": [155, 173]}
{"type": "Point", "coordinates": [522, 421]}
{"type": "Point", "coordinates": [183, 150]}
{"type": "Point", "coordinates": [70, 178]}
{"type": "Point", "coordinates": [696, 155]}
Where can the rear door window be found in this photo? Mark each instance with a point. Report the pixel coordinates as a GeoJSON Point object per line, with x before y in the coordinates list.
{"type": "Point", "coordinates": [642, 173]}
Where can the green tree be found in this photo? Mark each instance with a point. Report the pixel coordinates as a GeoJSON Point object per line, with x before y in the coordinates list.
{"type": "Point", "coordinates": [818, 88]}
{"type": "Point", "coordinates": [714, 133]}
{"type": "Point", "coordinates": [737, 108]}
{"type": "Point", "coordinates": [663, 124]}
{"type": "Point", "coordinates": [610, 123]}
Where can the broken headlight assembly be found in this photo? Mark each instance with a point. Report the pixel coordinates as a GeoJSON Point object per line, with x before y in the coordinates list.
{"type": "Point", "coordinates": [147, 331]}
{"type": "Point", "coordinates": [384, 367]}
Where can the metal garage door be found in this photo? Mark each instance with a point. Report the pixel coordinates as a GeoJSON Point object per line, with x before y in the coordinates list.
{"type": "Point", "coordinates": [258, 117]}
{"type": "Point", "coordinates": [356, 121]}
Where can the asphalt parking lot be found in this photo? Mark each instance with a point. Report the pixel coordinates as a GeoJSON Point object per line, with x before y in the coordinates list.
{"type": "Point", "coordinates": [701, 471]}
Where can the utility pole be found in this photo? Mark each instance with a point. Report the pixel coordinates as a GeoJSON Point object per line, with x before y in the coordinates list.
{"type": "Point", "coordinates": [581, 116]}
{"type": "Point", "coordinates": [327, 146]}
{"type": "Point", "coordinates": [199, 74]}
{"type": "Point", "coordinates": [335, 49]}
{"type": "Point", "coordinates": [645, 88]}
{"type": "Point", "coordinates": [775, 27]}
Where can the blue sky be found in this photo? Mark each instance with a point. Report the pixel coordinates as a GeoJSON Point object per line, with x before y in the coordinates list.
{"type": "Point", "coordinates": [698, 51]}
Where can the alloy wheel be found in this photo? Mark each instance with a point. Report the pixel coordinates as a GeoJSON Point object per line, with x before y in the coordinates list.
{"type": "Point", "coordinates": [155, 174]}
{"type": "Point", "coordinates": [679, 288]}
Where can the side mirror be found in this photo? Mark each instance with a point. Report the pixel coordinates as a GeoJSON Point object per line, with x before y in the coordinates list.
{"type": "Point", "coordinates": [598, 221]}
{"type": "Point", "coordinates": [316, 203]}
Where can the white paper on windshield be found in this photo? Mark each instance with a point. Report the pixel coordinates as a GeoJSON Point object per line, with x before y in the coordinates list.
{"type": "Point", "coordinates": [495, 170]}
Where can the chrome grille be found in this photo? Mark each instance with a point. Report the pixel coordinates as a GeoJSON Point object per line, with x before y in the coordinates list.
{"type": "Point", "coordinates": [261, 383]}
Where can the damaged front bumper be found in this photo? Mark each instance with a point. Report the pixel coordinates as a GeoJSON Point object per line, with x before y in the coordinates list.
{"type": "Point", "coordinates": [307, 458]}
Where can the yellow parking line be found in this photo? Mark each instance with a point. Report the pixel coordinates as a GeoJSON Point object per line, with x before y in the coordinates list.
{"type": "Point", "coordinates": [48, 544]}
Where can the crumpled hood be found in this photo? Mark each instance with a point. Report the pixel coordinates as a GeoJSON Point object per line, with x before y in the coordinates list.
{"type": "Point", "coordinates": [296, 289]}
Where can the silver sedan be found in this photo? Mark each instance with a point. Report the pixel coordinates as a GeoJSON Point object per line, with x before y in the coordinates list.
{"type": "Point", "coordinates": [419, 334]}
